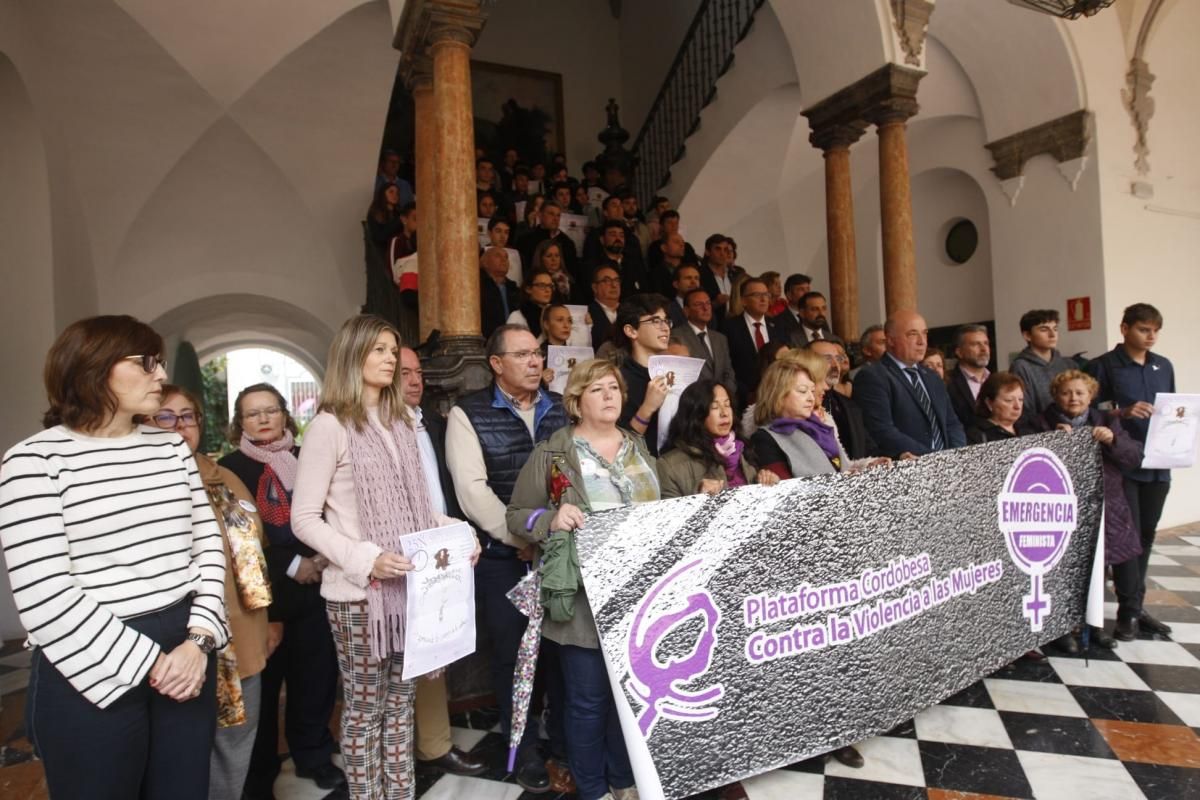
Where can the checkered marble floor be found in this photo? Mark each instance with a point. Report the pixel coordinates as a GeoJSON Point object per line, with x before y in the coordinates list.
{"type": "Point", "coordinates": [1120, 725]}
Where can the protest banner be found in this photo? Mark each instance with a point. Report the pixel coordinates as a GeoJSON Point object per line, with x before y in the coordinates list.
{"type": "Point", "coordinates": [766, 625]}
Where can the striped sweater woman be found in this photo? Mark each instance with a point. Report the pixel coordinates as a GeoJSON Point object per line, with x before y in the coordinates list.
{"type": "Point", "coordinates": [117, 568]}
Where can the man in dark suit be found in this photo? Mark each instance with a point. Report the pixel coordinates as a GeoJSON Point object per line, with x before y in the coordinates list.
{"type": "Point", "coordinates": [606, 288]}
{"type": "Point", "coordinates": [433, 743]}
{"type": "Point", "coordinates": [851, 427]}
{"type": "Point", "coordinates": [795, 287]}
{"type": "Point", "coordinates": [748, 334]}
{"type": "Point", "coordinates": [906, 407]}
{"type": "Point", "coordinates": [974, 351]}
{"type": "Point", "coordinates": [548, 219]}
{"type": "Point", "coordinates": [813, 322]}
{"type": "Point", "coordinates": [685, 279]}
{"type": "Point", "coordinates": [704, 342]}
{"type": "Point", "coordinates": [614, 250]}
{"type": "Point", "coordinates": [498, 296]}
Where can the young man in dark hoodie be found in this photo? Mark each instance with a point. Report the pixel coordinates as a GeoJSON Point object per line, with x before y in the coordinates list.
{"type": "Point", "coordinates": [1040, 361]}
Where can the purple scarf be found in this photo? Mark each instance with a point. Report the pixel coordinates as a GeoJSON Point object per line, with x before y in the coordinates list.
{"type": "Point", "coordinates": [817, 431]}
{"type": "Point", "coordinates": [729, 448]}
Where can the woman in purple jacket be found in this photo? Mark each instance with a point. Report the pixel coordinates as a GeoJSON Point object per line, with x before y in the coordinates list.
{"type": "Point", "coordinates": [1072, 392]}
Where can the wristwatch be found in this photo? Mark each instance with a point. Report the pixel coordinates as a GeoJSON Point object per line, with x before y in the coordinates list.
{"type": "Point", "coordinates": [205, 642]}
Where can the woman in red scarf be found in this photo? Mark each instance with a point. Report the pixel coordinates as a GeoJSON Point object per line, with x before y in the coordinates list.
{"type": "Point", "coordinates": [264, 432]}
{"type": "Point", "coordinates": [359, 488]}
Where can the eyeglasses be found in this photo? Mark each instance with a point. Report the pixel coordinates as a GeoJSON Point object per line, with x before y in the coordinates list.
{"type": "Point", "coordinates": [609, 279]}
{"type": "Point", "coordinates": [149, 363]}
{"type": "Point", "coordinates": [524, 355]}
{"type": "Point", "coordinates": [170, 420]}
{"type": "Point", "coordinates": [658, 322]}
{"type": "Point", "coordinates": [542, 285]}
{"type": "Point", "coordinates": [260, 413]}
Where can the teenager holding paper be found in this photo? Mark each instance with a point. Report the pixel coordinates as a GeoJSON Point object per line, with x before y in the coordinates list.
{"type": "Point", "coordinates": [643, 330]}
{"type": "Point", "coordinates": [589, 465]}
{"type": "Point", "coordinates": [349, 506]}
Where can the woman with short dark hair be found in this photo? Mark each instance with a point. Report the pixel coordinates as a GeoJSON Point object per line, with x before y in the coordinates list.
{"type": "Point", "coordinates": [998, 410]}
{"type": "Point", "coordinates": [117, 569]}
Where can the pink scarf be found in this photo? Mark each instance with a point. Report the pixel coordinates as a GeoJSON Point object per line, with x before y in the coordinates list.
{"type": "Point", "coordinates": [393, 499]}
{"type": "Point", "coordinates": [277, 455]}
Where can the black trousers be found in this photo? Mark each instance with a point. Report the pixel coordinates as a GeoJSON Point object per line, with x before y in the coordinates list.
{"type": "Point", "coordinates": [144, 745]}
{"type": "Point", "coordinates": [306, 661]}
{"type": "Point", "coordinates": [1146, 501]}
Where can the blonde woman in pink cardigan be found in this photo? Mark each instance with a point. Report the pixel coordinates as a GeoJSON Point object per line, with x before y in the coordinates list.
{"type": "Point", "coordinates": [359, 487]}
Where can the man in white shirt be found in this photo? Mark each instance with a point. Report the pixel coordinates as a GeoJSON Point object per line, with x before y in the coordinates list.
{"type": "Point", "coordinates": [433, 743]}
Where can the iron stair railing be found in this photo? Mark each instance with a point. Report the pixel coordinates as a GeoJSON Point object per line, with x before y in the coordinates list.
{"type": "Point", "coordinates": [704, 56]}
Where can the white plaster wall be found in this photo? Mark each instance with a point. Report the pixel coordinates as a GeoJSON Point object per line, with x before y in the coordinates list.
{"type": "Point", "coordinates": [1152, 256]}
{"type": "Point", "coordinates": [581, 41]}
{"type": "Point", "coordinates": [950, 293]}
{"type": "Point", "coordinates": [651, 33]}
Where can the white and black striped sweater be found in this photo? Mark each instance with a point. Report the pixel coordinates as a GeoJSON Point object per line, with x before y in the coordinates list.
{"type": "Point", "coordinates": [95, 531]}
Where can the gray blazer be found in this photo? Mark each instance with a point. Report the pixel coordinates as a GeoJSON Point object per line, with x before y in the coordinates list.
{"type": "Point", "coordinates": [717, 364]}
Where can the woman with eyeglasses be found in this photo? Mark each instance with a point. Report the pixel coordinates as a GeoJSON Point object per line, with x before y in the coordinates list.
{"type": "Point", "coordinates": [643, 329]}
{"type": "Point", "coordinates": [588, 465]}
{"type": "Point", "coordinates": [247, 595]}
{"type": "Point", "coordinates": [117, 570]}
{"type": "Point", "coordinates": [266, 462]}
{"type": "Point", "coordinates": [538, 292]}
{"type": "Point", "coordinates": [359, 488]}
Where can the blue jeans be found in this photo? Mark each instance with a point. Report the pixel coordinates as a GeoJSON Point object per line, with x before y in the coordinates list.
{"type": "Point", "coordinates": [144, 745]}
{"type": "Point", "coordinates": [595, 745]}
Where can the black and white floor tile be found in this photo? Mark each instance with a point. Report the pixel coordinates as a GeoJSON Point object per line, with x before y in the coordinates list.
{"type": "Point", "coordinates": [1120, 725]}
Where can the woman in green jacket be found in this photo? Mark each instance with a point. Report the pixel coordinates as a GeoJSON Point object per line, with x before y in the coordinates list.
{"type": "Point", "coordinates": [706, 454]}
{"type": "Point", "coordinates": [590, 465]}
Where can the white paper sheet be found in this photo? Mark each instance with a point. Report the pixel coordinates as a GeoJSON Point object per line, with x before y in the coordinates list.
{"type": "Point", "coordinates": [440, 618]}
{"type": "Point", "coordinates": [485, 241]}
{"type": "Point", "coordinates": [561, 359]}
{"type": "Point", "coordinates": [681, 372]}
{"type": "Point", "coordinates": [575, 227]}
{"type": "Point", "coordinates": [581, 330]}
{"type": "Point", "coordinates": [1174, 430]}
{"type": "Point", "coordinates": [515, 273]}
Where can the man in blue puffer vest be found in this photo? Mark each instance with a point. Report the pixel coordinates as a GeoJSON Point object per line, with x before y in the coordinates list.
{"type": "Point", "coordinates": [489, 436]}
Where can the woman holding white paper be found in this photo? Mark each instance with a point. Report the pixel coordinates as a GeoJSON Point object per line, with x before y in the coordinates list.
{"type": "Point", "coordinates": [589, 465]}
{"type": "Point", "coordinates": [348, 505]}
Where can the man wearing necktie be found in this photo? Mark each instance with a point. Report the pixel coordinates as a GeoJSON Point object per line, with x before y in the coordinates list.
{"type": "Point", "coordinates": [906, 406]}
{"type": "Point", "coordinates": [748, 334]}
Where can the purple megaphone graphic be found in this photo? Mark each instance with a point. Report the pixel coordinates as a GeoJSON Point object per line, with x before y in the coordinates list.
{"type": "Point", "coordinates": [1037, 509]}
{"type": "Point", "coordinates": [656, 683]}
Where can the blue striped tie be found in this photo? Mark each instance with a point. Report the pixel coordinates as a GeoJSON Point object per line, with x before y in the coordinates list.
{"type": "Point", "coordinates": [936, 442]}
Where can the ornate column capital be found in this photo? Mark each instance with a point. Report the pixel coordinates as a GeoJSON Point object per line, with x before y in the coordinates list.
{"type": "Point", "coordinates": [1064, 138]}
{"type": "Point", "coordinates": [424, 23]}
{"type": "Point", "coordinates": [888, 94]}
{"type": "Point", "coordinates": [419, 74]}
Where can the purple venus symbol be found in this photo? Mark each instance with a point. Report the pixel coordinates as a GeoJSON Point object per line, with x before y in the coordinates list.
{"type": "Point", "coordinates": [1037, 509]}
{"type": "Point", "coordinates": [657, 683]}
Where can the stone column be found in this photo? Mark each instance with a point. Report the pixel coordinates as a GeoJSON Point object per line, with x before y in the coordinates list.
{"type": "Point", "coordinates": [835, 141]}
{"type": "Point", "coordinates": [425, 147]}
{"type": "Point", "coordinates": [891, 100]}
{"type": "Point", "coordinates": [457, 251]}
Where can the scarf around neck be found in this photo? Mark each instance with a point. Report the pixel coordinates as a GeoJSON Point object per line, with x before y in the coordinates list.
{"type": "Point", "coordinates": [817, 431]}
{"type": "Point", "coordinates": [383, 459]}
{"type": "Point", "coordinates": [729, 448]}
{"type": "Point", "coordinates": [277, 455]}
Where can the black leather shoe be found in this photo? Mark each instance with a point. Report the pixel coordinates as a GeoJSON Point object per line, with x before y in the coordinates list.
{"type": "Point", "coordinates": [532, 776]}
{"type": "Point", "coordinates": [849, 756]}
{"type": "Point", "coordinates": [1154, 626]}
{"type": "Point", "coordinates": [1126, 630]}
{"type": "Point", "coordinates": [456, 762]}
{"type": "Point", "coordinates": [327, 776]}
{"type": "Point", "coordinates": [1067, 644]}
{"type": "Point", "coordinates": [1102, 638]}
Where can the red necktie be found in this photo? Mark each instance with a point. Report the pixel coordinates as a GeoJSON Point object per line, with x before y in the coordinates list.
{"type": "Point", "coordinates": [759, 341]}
